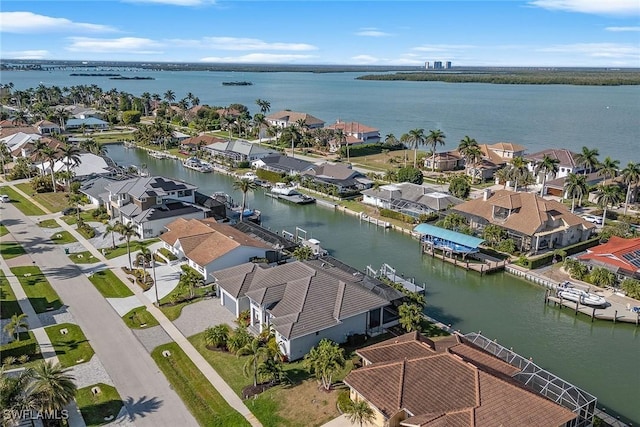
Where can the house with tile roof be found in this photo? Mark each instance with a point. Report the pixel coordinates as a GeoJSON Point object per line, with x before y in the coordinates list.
{"type": "Point", "coordinates": [280, 163]}
{"type": "Point", "coordinates": [445, 161]}
{"type": "Point", "coordinates": [150, 203]}
{"type": "Point", "coordinates": [209, 246]}
{"type": "Point", "coordinates": [619, 255]}
{"type": "Point", "coordinates": [306, 301]}
{"type": "Point", "coordinates": [45, 127]}
{"type": "Point", "coordinates": [410, 199]}
{"type": "Point", "coordinates": [239, 151]}
{"type": "Point", "coordinates": [533, 222]}
{"type": "Point", "coordinates": [286, 118]}
{"type": "Point", "coordinates": [356, 134]}
{"type": "Point", "coordinates": [196, 142]}
{"type": "Point", "coordinates": [412, 381]}
{"type": "Point", "coordinates": [340, 178]}
{"type": "Point", "coordinates": [494, 157]}
{"type": "Point", "coordinates": [88, 122]}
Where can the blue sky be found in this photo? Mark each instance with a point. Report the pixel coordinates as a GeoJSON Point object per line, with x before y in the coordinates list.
{"type": "Point", "coordinates": [597, 33]}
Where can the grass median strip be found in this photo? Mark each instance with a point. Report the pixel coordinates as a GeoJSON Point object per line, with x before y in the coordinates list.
{"type": "Point", "coordinates": [71, 346]}
{"type": "Point", "coordinates": [85, 257]}
{"type": "Point", "coordinates": [53, 202]}
{"type": "Point", "coordinates": [98, 404]}
{"type": "Point", "coordinates": [40, 293]}
{"type": "Point", "coordinates": [135, 246]}
{"type": "Point", "coordinates": [63, 237]}
{"type": "Point", "coordinates": [139, 318]}
{"type": "Point", "coordinates": [22, 203]}
{"type": "Point", "coordinates": [205, 403]}
{"type": "Point", "coordinates": [8, 300]}
{"type": "Point", "coordinates": [3, 230]}
{"type": "Point", "coordinates": [48, 223]}
{"type": "Point", "coordinates": [109, 285]}
{"type": "Point", "coordinates": [10, 250]}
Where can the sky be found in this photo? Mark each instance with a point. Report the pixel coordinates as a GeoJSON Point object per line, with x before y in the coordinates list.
{"type": "Point", "coordinates": [541, 33]}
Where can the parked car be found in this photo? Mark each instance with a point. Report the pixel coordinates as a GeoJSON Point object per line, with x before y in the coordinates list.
{"type": "Point", "coordinates": [592, 218]}
{"type": "Point", "coordinates": [4, 198]}
{"type": "Point", "coordinates": [70, 211]}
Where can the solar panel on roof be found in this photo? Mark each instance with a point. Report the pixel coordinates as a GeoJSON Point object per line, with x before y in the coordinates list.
{"type": "Point", "coordinates": [633, 258]}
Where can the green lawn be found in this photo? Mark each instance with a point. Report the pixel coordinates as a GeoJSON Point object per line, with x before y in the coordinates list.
{"type": "Point", "coordinates": [112, 137]}
{"type": "Point", "coordinates": [63, 237]}
{"type": "Point", "coordinates": [84, 257]}
{"type": "Point", "coordinates": [139, 316]}
{"type": "Point", "coordinates": [20, 202]}
{"type": "Point", "coordinates": [54, 202]}
{"type": "Point", "coordinates": [10, 250]}
{"type": "Point", "coordinates": [109, 285]}
{"type": "Point", "coordinates": [3, 230]}
{"type": "Point", "coordinates": [26, 346]}
{"type": "Point", "coordinates": [48, 223]}
{"type": "Point", "coordinates": [122, 248]}
{"type": "Point", "coordinates": [38, 290]}
{"type": "Point", "coordinates": [87, 216]}
{"type": "Point", "coordinates": [96, 407]}
{"type": "Point", "coordinates": [173, 311]}
{"type": "Point", "coordinates": [71, 348]}
{"type": "Point", "coordinates": [8, 300]}
{"type": "Point", "coordinates": [272, 407]}
{"type": "Point", "coordinates": [203, 400]}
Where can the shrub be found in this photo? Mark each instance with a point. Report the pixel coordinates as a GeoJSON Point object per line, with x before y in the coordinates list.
{"type": "Point", "coordinates": [388, 213]}
{"type": "Point", "coordinates": [410, 174]}
{"type": "Point", "coordinates": [460, 187]}
{"type": "Point", "coordinates": [631, 287]}
{"type": "Point", "coordinates": [507, 245]}
{"type": "Point", "coordinates": [270, 175]}
{"type": "Point", "coordinates": [344, 401]}
{"type": "Point", "coordinates": [243, 164]}
{"type": "Point", "coordinates": [244, 319]}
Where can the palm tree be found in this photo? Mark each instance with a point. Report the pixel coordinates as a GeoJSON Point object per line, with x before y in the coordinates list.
{"type": "Point", "coordinates": [435, 138]}
{"type": "Point", "coordinates": [265, 106]}
{"type": "Point", "coordinates": [588, 159]}
{"type": "Point", "coordinates": [609, 168]}
{"type": "Point", "coordinates": [518, 170]}
{"type": "Point", "coordinates": [631, 177]}
{"type": "Point", "coordinates": [503, 175]}
{"type": "Point", "coordinates": [51, 155]}
{"type": "Point", "coordinates": [38, 147]}
{"type": "Point", "coordinates": [52, 387]}
{"type": "Point", "coordinates": [127, 232]}
{"type": "Point", "coordinates": [607, 195]}
{"type": "Point", "coordinates": [575, 186]}
{"type": "Point", "coordinates": [169, 96]}
{"type": "Point", "coordinates": [112, 229]}
{"type": "Point", "coordinates": [144, 256]}
{"type": "Point", "coordinates": [217, 336]}
{"type": "Point", "coordinates": [259, 121]}
{"type": "Point", "coordinates": [14, 326]}
{"type": "Point", "coordinates": [244, 185]}
{"type": "Point", "coordinates": [410, 317]}
{"type": "Point", "coordinates": [359, 412]}
{"type": "Point", "coordinates": [14, 396]}
{"type": "Point", "coordinates": [325, 360]}
{"type": "Point", "coordinates": [341, 138]}
{"type": "Point", "coordinates": [416, 139]}
{"type": "Point", "coordinates": [5, 157]}
{"type": "Point", "coordinates": [256, 353]}
{"type": "Point", "coordinates": [70, 155]}
{"type": "Point", "coordinates": [390, 139]}
{"type": "Point", "coordinates": [545, 167]}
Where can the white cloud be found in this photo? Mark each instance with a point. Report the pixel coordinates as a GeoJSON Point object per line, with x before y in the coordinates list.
{"type": "Point", "coordinates": [237, 43]}
{"type": "Point", "coordinates": [372, 32]}
{"type": "Point", "coordinates": [597, 7]}
{"type": "Point", "coordinates": [27, 54]}
{"type": "Point", "coordinates": [28, 22]}
{"type": "Point", "coordinates": [622, 29]}
{"type": "Point", "coordinates": [123, 45]}
{"type": "Point", "coordinates": [174, 2]}
{"type": "Point", "coordinates": [442, 47]}
{"type": "Point", "coordinates": [258, 58]}
{"type": "Point", "coordinates": [597, 50]}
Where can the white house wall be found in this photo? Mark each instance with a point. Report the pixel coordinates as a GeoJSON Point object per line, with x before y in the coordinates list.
{"type": "Point", "coordinates": [157, 227]}
{"type": "Point", "coordinates": [374, 201]}
{"type": "Point", "coordinates": [238, 256]}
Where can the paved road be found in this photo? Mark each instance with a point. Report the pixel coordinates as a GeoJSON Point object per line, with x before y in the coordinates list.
{"type": "Point", "coordinates": [146, 392]}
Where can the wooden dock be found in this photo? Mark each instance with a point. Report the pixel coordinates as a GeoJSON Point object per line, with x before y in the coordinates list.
{"type": "Point", "coordinates": [488, 266]}
{"type": "Point", "coordinates": [390, 274]}
{"type": "Point", "coordinates": [615, 312]}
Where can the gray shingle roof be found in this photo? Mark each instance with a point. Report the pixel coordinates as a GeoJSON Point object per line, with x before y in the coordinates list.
{"type": "Point", "coordinates": [286, 163]}
{"type": "Point", "coordinates": [148, 186]}
{"type": "Point", "coordinates": [303, 297]}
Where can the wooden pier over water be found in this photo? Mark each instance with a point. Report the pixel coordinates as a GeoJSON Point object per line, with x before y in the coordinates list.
{"type": "Point", "coordinates": [482, 265]}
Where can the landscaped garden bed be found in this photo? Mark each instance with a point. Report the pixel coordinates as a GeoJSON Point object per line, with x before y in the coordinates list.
{"type": "Point", "coordinates": [21, 353]}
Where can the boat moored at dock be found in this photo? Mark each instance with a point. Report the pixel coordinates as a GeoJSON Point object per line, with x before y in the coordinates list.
{"type": "Point", "coordinates": [568, 292]}
{"type": "Point", "coordinates": [289, 193]}
{"type": "Point", "coordinates": [198, 165]}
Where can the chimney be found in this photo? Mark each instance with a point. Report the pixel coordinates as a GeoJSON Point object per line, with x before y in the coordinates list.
{"type": "Point", "coordinates": [486, 194]}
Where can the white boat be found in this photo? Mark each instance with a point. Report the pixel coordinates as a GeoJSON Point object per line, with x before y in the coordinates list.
{"type": "Point", "coordinates": [157, 154]}
{"type": "Point", "coordinates": [284, 189]}
{"type": "Point", "coordinates": [583, 297]}
{"type": "Point", "coordinates": [249, 176]}
{"type": "Point", "coordinates": [198, 165]}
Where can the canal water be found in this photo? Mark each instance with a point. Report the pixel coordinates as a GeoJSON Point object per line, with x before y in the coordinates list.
{"type": "Point", "coordinates": [601, 357]}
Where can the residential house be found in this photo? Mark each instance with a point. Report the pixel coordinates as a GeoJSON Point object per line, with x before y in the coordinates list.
{"type": "Point", "coordinates": [445, 161]}
{"type": "Point", "coordinates": [209, 246]}
{"type": "Point", "coordinates": [150, 203]}
{"type": "Point", "coordinates": [409, 199]}
{"type": "Point", "coordinates": [555, 187]}
{"type": "Point", "coordinates": [532, 221]}
{"type": "Point", "coordinates": [196, 142]}
{"type": "Point", "coordinates": [45, 127]}
{"type": "Point", "coordinates": [340, 177]}
{"type": "Point", "coordinates": [618, 255]}
{"type": "Point", "coordinates": [9, 127]}
{"type": "Point", "coordinates": [356, 133]}
{"type": "Point", "coordinates": [94, 188]}
{"type": "Point", "coordinates": [89, 165]}
{"type": "Point", "coordinates": [350, 141]}
{"type": "Point", "coordinates": [306, 301]}
{"type": "Point", "coordinates": [280, 163]}
{"type": "Point", "coordinates": [239, 151]}
{"type": "Point", "coordinates": [412, 381]}
{"type": "Point", "coordinates": [288, 118]}
{"type": "Point", "coordinates": [507, 150]}
{"type": "Point", "coordinates": [91, 123]}
{"type": "Point", "coordinates": [567, 163]}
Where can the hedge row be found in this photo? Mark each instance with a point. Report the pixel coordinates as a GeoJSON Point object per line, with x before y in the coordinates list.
{"type": "Point", "coordinates": [547, 258]}
{"type": "Point", "coordinates": [388, 213]}
{"type": "Point", "coordinates": [369, 149]}
{"type": "Point", "coordinates": [269, 175]}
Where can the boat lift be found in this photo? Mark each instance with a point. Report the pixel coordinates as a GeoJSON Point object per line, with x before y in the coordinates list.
{"type": "Point", "coordinates": [390, 273]}
{"type": "Point", "coordinates": [300, 237]}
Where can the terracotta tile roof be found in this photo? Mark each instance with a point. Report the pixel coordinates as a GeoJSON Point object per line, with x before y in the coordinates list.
{"type": "Point", "coordinates": [202, 140]}
{"type": "Point", "coordinates": [7, 131]}
{"type": "Point", "coordinates": [507, 146]}
{"type": "Point", "coordinates": [457, 387]}
{"type": "Point", "coordinates": [611, 253]}
{"type": "Point", "coordinates": [491, 156]}
{"type": "Point", "coordinates": [530, 212]}
{"type": "Point", "coordinates": [181, 228]}
{"type": "Point", "coordinates": [351, 127]}
{"type": "Point", "coordinates": [293, 117]}
{"type": "Point", "coordinates": [566, 157]}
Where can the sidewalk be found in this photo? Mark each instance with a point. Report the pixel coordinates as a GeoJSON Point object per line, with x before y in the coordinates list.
{"type": "Point", "coordinates": [214, 378]}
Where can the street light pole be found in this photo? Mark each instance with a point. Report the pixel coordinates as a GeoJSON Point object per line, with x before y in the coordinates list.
{"type": "Point", "coordinates": [155, 282]}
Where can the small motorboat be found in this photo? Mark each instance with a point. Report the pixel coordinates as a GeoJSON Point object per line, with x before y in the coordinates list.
{"type": "Point", "coordinates": [567, 292]}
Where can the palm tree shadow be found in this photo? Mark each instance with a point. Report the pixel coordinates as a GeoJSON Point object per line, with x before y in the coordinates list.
{"type": "Point", "coordinates": [142, 406]}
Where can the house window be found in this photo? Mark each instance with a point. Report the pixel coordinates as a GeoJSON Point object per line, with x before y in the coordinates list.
{"type": "Point", "coordinates": [158, 200]}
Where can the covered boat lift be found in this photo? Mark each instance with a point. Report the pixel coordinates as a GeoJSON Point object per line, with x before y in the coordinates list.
{"type": "Point", "coordinates": [448, 241]}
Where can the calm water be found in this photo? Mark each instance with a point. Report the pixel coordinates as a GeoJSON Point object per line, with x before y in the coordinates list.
{"type": "Point", "coordinates": [535, 116]}
{"type": "Point", "coordinates": [599, 357]}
